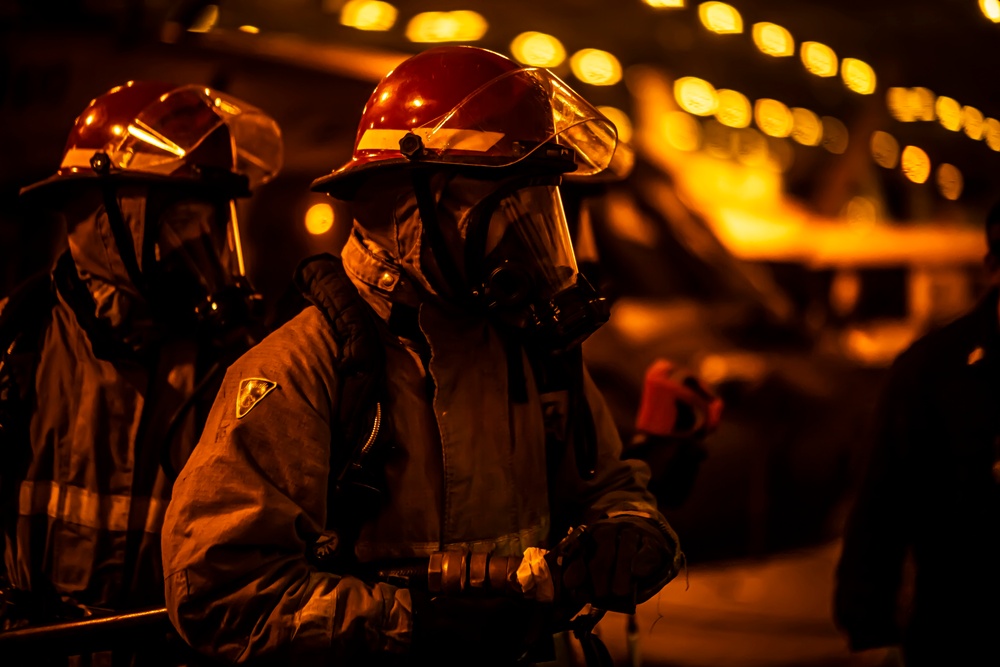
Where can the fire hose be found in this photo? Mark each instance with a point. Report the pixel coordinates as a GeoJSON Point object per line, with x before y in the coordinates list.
{"type": "Point", "coordinates": [444, 573]}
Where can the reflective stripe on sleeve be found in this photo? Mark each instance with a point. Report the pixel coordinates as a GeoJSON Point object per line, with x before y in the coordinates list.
{"type": "Point", "coordinates": [83, 507]}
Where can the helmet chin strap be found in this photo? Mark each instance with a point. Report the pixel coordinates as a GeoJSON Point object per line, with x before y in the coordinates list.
{"type": "Point", "coordinates": [101, 164]}
{"type": "Point", "coordinates": [456, 286]}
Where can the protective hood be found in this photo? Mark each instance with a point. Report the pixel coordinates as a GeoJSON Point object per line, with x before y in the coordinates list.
{"type": "Point", "coordinates": [389, 220]}
{"type": "Point", "coordinates": [118, 302]}
{"type": "Point", "coordinates": [186, 259]}
{"type": "Point", "coordinates": [500, 247]}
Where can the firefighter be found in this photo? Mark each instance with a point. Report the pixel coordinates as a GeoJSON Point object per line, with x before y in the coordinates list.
{"type": "Point", "coordinates": [111, 361]}
{"type": "Point", "coordinates": [917, 575]}
{"type": "Point", "coordinates": [495, 441]}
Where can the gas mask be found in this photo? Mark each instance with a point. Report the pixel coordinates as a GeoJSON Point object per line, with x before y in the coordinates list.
{"type": "Point", "coordinates": [197, 278]}
{"type": "Point", "coordinates": [161, 261]}
{"type": "Point", "coordinates": [520, 265]}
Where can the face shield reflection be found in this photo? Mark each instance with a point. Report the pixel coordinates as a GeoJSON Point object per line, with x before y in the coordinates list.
{"type": "Point", "coordinates": [528, 250]}
{"type": "Point", "coordinates": [184, 126]}
{"type": "Point", "coordinates": [197, 260]}
{"type": "Point", "coordinates": [515, 114]}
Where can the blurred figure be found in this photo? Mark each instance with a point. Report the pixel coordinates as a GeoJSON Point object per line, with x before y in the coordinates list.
{"type": "Point", "coordinates": [110, 363]}
{"type": "Point", "coordinates": [677, 412]}
{"type": "Point", "coordinates": [488, 442]}
{"type": "Point", "coordinates": [919, 567]}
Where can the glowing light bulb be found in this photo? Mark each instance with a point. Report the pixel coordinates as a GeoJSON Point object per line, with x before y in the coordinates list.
{"type": "Point", "coordinates": [319, 218]}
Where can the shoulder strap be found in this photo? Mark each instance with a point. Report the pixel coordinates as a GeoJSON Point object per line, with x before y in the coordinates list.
{"type": "Point", "coordinates": [564, 372]}
{"type": "Point", "coordinates": [360, 441]}
{"type": "Point", "coordinates": [323, 282]}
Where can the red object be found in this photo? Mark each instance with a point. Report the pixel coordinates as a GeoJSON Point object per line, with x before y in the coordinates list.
{"type": "Point", "coordinates": [150, 130]}
{"type": "Point", "coordinates": [676, 403]}
{"type": "Point", "coordinates": [474, 107]}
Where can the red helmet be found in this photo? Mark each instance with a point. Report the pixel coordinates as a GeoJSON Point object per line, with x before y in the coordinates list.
{"type": "Point", "coordinates": [153, 131]}
{"type": "Point", "coordinates": [464, 105]}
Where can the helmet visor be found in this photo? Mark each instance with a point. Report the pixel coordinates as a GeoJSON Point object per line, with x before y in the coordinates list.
{"type": "Point", "coordinates": [529, 228]}
{"type": "Point", "coordinates": [204, 128]}
{"type": "Point", "coordinates": [509, 119]}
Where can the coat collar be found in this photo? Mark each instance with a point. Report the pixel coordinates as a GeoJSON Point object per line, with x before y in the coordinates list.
{"type": "Point", "coordinates": [379, 279]}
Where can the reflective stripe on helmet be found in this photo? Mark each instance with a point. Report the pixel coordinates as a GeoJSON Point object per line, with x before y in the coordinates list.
{"type": "Point", "coordinates": [77, 157]}
{"type": "Point", "coordinates": [444, 138]}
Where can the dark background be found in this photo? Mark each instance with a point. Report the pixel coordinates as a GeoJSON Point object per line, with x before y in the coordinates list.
{"type": "Point", "coordinates": [786, 458]}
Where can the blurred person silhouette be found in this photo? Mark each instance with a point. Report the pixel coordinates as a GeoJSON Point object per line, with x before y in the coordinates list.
{"type": "Point", "coordinates": [431, 407]}
{"type": "Point", "coordinates": [919, 567]}
{"type": "Point", "coordinates": [111, 361]}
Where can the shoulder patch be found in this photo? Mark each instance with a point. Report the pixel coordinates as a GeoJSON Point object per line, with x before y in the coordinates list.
{"type": "Point", "coordinates": [252, 390]}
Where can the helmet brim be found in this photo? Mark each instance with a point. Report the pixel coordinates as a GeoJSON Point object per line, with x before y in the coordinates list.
{"type": "Point", "coordinates": [344, 182]}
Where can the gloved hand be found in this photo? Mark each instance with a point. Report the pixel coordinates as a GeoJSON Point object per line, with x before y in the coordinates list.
{"type": "Point", "coordinates": [615, 563]}
{"type": "Point", "coordinates": [474, 630]}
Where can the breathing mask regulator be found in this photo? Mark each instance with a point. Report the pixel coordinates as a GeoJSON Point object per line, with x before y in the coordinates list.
{"type": "Point", "coordinates": [520, 259]}
{"type": "Point", "coordinates": [517, 264]}
{"type": "Point", "coordinates": [191, 272]}
{"type": "Point", "coordinates": [197, 277]}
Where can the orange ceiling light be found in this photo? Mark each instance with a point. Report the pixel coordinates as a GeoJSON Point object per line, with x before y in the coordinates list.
{"type": "Point", "coordinates": [916, 164]}
{"type": "Point", "coordinates": [991, 133]}
{"type": "Point", "coordinates": [990, 9]}
{"type": "Point", "coordinates": [368, 15]}
{"type": "Point", "coordinates": [773, 118]}
{"type": "Point", "coordinates": [319, 219]}
{"type": "Point", "coordinates": [733, 109]}
{"type": "Point", "coordinates": [835, 135]}
{"type": "Point", "coordinates": [457, 26]}
{"type": "Point", "coordinates": [807, 128]}
{"type": "Point", "coordinates": [949, 113]}
{"type": "Point", "coordinates": [538, 49]}
{"type": "Point", "coordinates": [858, 76]}
{"type": "Point", "coordinates": [696, 96]}
{"type": "Point", "coordinates": [885, 149]}
{"type": "Point", "coordinates": [596, 67]}
{"type": "Point", "coordinates": [972, 122]}
{"type": "Point", "coordinates": [773, 40]}
{"type": "Point", "coordinates": [819, 59]}
{"type": "Point", "coordinates": [720, 18]}
{"type": "Point", "coordinates": [949, 181]}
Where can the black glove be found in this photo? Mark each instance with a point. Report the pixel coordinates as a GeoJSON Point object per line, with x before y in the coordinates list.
{"type": "Point", "coordinates": [474, 630]}
{"type": "Point", "coordinates": [615, 563]}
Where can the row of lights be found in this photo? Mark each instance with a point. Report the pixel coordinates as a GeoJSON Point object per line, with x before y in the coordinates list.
{"type": "Point", "coordinates": [916, 104]}
{"type": "Point", "coordinates": [858, 76]}
{"type": "Point", "coordinates": [698, 97]}
{"type": "Point", "coordinates": [775, 40]}
{"type": "Point", "coordinates": [915, 164]}
{"type": "Point", "coordinates": [592, 66]}
{"type": "Point", "coordinates": [599, 67]}
{"type": "Point", "coordinates": [774, 118]}
{"type": "Point", "coordinates": [777, 120]}
{"type": "Point", "coordinates": [732, 109]}
{"type": "Point", "coordinates": [685, 132]}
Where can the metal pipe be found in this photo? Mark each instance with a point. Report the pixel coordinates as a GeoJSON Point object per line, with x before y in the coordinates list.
{"type": "Point", "coordinates": [84, 636]}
